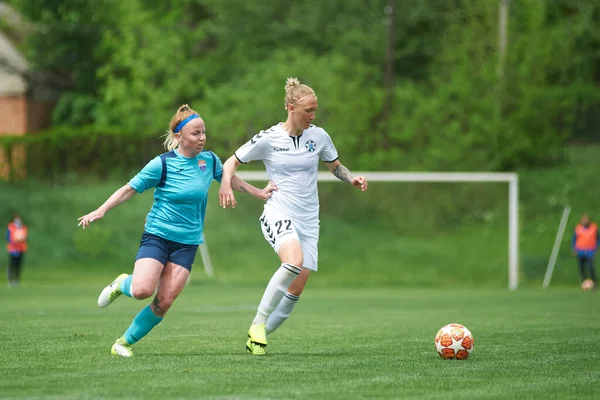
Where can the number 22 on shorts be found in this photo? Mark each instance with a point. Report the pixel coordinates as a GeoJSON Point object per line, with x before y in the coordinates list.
{"type": "Point", "coordinates": [283, 226]}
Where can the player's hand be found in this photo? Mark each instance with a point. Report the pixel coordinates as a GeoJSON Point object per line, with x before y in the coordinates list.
{"type": "Point", "coordinates": [91, 217]}
{"type": "Point", "coordinates": [226, 197]}
{"type": "Point", "coordinates": [360, 182]}
{"type": "Point", "coordinates": [267, 192]}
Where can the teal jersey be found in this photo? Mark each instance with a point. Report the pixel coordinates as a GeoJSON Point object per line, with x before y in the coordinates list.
{"type": "Point", "coordinates": [180, 195]}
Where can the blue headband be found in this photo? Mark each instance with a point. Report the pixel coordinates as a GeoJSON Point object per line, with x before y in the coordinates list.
{"type": "Point", "coordinates": [184, 122]}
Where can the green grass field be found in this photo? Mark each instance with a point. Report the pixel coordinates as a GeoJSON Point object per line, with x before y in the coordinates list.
{"type": "Point", "coordinates": [339, 344]}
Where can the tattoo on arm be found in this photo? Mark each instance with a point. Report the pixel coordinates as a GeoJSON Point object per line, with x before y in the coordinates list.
{"type": "Point", "coordinates": [240, 185]}
{"type": "Point", "coordinates": [342, 173]}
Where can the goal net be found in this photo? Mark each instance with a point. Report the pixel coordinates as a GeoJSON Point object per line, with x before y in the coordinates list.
{"type": "Point", "coordinates": [421, 228]}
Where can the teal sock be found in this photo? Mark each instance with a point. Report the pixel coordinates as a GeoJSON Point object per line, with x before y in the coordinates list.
{"type": "Point", "coordinates": [141, 325]}
{"type": "Point", "coordinates": [125, 286]}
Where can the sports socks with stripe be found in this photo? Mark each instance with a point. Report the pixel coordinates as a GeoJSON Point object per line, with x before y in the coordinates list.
{"type": "Point", "coordinates": [278, 285]}
{"type": "Point", "coordinates": [282, 312]}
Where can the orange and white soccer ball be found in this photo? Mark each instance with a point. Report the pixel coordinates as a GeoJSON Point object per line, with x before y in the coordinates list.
{"type": "Point", "coordinates": [587, 285]}
{"type": "Point", "coordinates": [454, 342]}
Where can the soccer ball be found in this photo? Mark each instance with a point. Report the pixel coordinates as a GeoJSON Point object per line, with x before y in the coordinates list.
{"type": "Point", "coordinates": [454, 342]}
{"type": "Point", "coordinates": [587, 285]}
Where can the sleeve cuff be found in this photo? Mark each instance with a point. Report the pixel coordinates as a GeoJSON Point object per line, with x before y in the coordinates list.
{"type": "Point", "coordinates": [136, 185]}
{"type": "Point", "coordinates": [335, 159]}
{"type": "Point", "coordinates": [236, 156]}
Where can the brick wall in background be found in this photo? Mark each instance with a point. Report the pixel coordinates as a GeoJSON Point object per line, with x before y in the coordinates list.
{"type": "Point", "coordinates": [13, 115]}
{"type": "Point", "coordinates": [20, 116]}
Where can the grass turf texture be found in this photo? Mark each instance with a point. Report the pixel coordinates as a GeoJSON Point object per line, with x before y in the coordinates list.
{"type": "Point", "coordinates": [339, 344]}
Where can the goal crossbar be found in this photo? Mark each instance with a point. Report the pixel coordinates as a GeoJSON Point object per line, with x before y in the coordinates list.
{"type": "Point", "coordinates": [373, 176]}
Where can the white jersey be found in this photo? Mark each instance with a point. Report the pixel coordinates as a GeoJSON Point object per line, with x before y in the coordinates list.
{"type": "Point", "coordinates": [292, 164]}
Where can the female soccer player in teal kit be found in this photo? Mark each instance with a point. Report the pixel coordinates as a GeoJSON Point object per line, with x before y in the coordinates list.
{"type": "Point", "coordinates": [173, 230]}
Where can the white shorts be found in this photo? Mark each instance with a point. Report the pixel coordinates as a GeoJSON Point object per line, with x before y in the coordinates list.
{"type": "Point", "coordinates": [278, 228]}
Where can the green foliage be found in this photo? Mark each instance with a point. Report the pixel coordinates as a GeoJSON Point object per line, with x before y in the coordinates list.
{"type": "Point", "coordinates": [64, 43]}
{"type": "Point", "coordinates": [444, 106]}
{"type": "Point", "coordinates": [261, 103]}
{"type": "Point", "coordinates": [147, 74]}
{"type": "Point", "coordinates": [67, 153]}
{"type": "Point", "coordinates": [468, 118]}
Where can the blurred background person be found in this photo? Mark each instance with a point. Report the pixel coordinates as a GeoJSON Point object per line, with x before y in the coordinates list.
{"type": "Point", "coordinates": [16, 237]}
{"type": "Point", "coordinates": [585, 243]}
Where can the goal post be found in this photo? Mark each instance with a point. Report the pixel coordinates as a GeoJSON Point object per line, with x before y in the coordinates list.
{"type": "Point", "coordinates": [511, 178]}
{"type": "Point", "coordinates": [556, 247]}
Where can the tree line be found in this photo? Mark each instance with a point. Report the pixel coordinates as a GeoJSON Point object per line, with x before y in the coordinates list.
{"type": "Point", "coordinates": [411, 85]}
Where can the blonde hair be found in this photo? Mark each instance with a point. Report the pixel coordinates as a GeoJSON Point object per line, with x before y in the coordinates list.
{"type": "Point", "coordinates": [182, 113]}
{"type": "Point", "coordinates": [296, 91]}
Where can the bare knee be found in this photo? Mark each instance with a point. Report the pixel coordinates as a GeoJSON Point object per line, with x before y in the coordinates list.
{"type": "Point", "coordinates": [142, 291]}
{"type": "Point", "coordinates": [295, 261]}
{"type": "Point", "coordinates": [295, 258]}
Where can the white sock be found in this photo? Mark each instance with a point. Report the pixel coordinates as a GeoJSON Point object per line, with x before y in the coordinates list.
{"type": "Point", "coordinates": [281, 280]}
{"type": "Point", "coordinates": [282, 312]}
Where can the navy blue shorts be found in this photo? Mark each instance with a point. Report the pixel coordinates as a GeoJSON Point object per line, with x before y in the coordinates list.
{"type": "Point", "coordinates": [164, 250]}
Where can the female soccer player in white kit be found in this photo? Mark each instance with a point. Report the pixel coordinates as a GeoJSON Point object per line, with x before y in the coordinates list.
{"type": "Point", "coordinates": [290, 222]}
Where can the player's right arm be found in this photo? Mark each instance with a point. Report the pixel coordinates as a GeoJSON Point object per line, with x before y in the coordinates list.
{"type": "Point", "coordinates": [122, 194]}
{"type": "Point", "coordinates": [147, 178]}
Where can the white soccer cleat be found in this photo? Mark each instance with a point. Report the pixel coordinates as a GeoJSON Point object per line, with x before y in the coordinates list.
{"type": "Point", "coordinates": [121, 348]}
{"type": "Point", "coordinates": [111, 292]}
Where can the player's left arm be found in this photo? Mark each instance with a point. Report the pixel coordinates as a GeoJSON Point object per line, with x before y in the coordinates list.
{"type": "Point", "coordinates": [344, 174]}
{"type": "Point", "coordinates": [240, 185]}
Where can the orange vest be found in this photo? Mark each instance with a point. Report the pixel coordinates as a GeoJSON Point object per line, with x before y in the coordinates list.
{"type": "Point", "coordinates": [17, 242]}
{"type": "Point", "coordinates": [586, 238]}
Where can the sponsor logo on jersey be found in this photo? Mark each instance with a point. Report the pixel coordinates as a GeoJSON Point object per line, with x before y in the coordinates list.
{"type": "Point", "coordinates": [281, 149]}
{"type": "Point", "coordinates": [202, 164]}
{"type": "Point", "coordinates": [310, 145]}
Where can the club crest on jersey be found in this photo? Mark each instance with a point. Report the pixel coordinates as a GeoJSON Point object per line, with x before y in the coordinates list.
{"type": "Point", "coordinates": [202, 164]}
{"type": "Point", "coordinates": [310, 145]}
